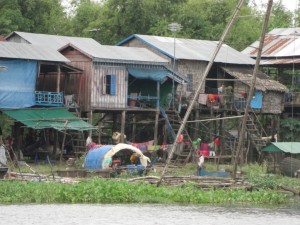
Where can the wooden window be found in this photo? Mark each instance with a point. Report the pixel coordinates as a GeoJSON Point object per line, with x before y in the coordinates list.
{"type": "Point", "coordinates": [190, 82]}
{"type": "Point", "coordinates": [109, 86]}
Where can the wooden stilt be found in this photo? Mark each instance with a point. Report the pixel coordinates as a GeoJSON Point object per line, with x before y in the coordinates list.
{"type": "Point", "coordinates": [156, 126]}
{"type": "Point", "coordinates": [123, 126]}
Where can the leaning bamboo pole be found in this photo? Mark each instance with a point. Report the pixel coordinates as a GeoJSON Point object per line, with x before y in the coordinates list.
{"type": "Point", "coordinates": [209, 65]}
{"type": "Point", "coordinates": [251, 91]}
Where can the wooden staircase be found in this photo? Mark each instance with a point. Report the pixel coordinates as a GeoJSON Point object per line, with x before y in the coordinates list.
{"type": "Point", "coordinates": [173, 121]}
{"type": "Point", "coordinates": [255, 131]}
{"type": "Point", "coordinates": [78, 142]}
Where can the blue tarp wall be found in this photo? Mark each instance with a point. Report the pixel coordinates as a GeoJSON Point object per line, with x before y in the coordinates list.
{"type": "Point", "coordinates": [17, 83]}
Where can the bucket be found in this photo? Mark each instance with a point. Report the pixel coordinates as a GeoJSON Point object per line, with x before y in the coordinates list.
{"type": "Point", "coordinates": [131, 168]}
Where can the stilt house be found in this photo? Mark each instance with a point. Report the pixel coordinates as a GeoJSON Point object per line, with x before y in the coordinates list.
{"type": "Point", "coordinates": [226, 87]}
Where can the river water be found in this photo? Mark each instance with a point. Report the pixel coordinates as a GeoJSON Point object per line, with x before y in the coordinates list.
{"type": "Point", "coordinates": [98, 214]}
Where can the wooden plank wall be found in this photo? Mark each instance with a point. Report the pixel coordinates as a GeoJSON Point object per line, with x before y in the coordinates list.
{"type": "Point", "coordinates": [83, 84]}
{"type": "Point", "coordinates": [100, 100]}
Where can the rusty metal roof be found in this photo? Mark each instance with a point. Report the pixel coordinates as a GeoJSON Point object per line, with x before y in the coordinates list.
{"type": "Point", "coordinates": [33, 52]}
{"type": "Point", "coordinates": [263, 82]}
{"type": "Point", "coordinates": [192, 49]}
{"type": "Point", "coordinates": [281, 44]}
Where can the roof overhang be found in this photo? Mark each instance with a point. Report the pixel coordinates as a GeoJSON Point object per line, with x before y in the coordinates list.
{"type": "Point", "coordinates": [262, 83]}
{"type": "Point", "coordinates": [42, 118]}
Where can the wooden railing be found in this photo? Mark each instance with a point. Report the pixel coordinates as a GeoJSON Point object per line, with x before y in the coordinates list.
{"type": "Point", "coordinates": [143, 101]}
{"type": "Point", "coordinates": [45, 98]}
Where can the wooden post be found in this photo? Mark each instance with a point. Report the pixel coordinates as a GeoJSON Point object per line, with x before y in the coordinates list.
{"type": "Point", "coordinates": [156, 113]}
{"type": "Point", "coordinates": [196, 95]}
{"type": "Point", "coordinates": [123, 126]}
{"type": "Point", "coordinates": [55, 144]}
{"type": "Point", "coordinates": [251, 91]}
{"type": "Point", "coordinates": [58, 78]}
{"type": "Point", "coordinates": [100, 128]}
{"type": "Point", "coordinates": [133, 128]}
{"type": "Point", "coordinates": [221, 138]}
{"type": "Point", "coordinates": [62, 148]}
{"type": "Point", "coordinates": [156, 126]}
{"type": "Point", "coordinates": [90, 118]}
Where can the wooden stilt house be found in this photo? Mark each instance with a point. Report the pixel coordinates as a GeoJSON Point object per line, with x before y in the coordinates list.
{"type": "Point", "coordinates": [229, 79]}
{"type": "Point", "coordinates": [115, 81]}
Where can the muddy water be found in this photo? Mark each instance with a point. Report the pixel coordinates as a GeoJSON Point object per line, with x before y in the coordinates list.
{"type": "Point", "coordinates": [145, 215]}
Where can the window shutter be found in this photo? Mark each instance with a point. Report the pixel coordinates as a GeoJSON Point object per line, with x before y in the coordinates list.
{"type": "Point", "coordinates": [113, 84]}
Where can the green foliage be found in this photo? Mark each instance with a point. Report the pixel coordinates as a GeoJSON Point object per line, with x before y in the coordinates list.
{"type": "Point", "coordinates": [111, 21]}
{"type": "Point", "coordinates": [111, 191]}
{"type": "Point", "coordinates": [290, 129]}
{"type": "Point", "coordinates": [5, 124]}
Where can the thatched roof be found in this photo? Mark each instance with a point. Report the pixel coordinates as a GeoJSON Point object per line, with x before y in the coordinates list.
{"type": "Point", "coordinates": [263, 82]}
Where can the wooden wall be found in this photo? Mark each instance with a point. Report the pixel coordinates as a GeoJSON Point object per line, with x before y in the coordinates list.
{"type": "Point", "coordinates": [83, 62]}
{"type": "Point", "coordinates": [273, 102]}
{"type": "Point", "coordinates": [100, 100]}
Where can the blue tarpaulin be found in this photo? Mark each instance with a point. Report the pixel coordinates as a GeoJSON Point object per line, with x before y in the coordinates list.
{"type": "Point", "coordinates": [256, 102]}
{"type": "Point", "coordinates": [17, 83]}
{"type": "Point", "coordinates": [151, 74]}
{"type": "Point", "coordinates": [94, 158]}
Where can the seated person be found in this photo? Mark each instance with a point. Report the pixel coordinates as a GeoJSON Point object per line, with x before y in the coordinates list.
{"type": "Point", "coordinates": [134, 158]}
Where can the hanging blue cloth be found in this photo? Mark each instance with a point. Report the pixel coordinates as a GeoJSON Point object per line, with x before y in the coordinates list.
{"type": "Point", "coordinates": [256, 102]}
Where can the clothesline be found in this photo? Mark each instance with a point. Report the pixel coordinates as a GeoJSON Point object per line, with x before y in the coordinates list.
{"type": "Point", "coordinates": [223, 118]}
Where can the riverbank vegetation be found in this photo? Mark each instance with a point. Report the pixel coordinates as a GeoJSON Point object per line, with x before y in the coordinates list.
{"type": "Point", "coordinates": [266, 189]}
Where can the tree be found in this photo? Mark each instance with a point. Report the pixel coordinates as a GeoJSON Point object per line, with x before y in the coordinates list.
{"type": "Point", "coordinates": [10, 16]}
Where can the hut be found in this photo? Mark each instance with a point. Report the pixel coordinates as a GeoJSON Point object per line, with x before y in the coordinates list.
{"type": "Point", "coordinates": [280, 59]}
{"type": "Point", "coordinates": [109, 156]}
{"type": "Point", "coordinates": [286, 155]}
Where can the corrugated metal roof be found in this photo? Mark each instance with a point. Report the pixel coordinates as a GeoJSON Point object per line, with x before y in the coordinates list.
{"type": "Point", "coordinates": [280, 61]}
{"type": "Point", "coordinates": [92, 48]}
{"type": "Point", "coordinates": [54, 41]}
{"type": "Point", "coordinates": [33, 52]}
{"type": "Point", "coordinates": [119, 53]}
{"type": "Point", "coordinates": [192, 49]}
{"type": "Point", "coordinates": [263, 82]}
{"type": "Point", "coordinates": [280, 42]}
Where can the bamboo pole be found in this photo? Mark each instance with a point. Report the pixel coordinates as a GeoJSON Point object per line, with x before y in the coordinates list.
{"type": "Point", "coordinates": [209, 65]}
{"type": "Point", "coordinates": [251, 91]}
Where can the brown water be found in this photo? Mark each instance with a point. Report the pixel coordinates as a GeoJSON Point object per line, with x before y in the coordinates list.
{"type": "Point", "coordinates": [145, 215]}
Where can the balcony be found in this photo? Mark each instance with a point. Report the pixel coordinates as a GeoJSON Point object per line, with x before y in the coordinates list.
{"type": "Point", "coordinates": [45, 98]}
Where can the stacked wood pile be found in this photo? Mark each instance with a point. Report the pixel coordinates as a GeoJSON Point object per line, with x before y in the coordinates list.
{"type": "Point", "coordinates": [206, 183]}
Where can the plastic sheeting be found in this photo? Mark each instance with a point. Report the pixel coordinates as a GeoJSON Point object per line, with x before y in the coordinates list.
{"type": "Point", "coordinates": [17, 84]}
{"type": "Point", "coordinates": [151, 74]}
{"type": "Point", "coordinates": [101, 158]}
{"type": "Point", "coordinates": [256, 101]}
{"type": "Point", "coordinates": [41, 118]}
{"type": "Point", "coordinates": [3, 158]}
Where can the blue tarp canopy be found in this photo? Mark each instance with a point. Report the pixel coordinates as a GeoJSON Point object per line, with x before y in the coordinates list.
{"type": "Point", "coordinates": [150, 74]}
{"type": "Point", "coordinates": [101, 157]}
{"type": "Point", "coordinates": [17, 84]}
{"type": "Point", "coordinates": [94, 159]}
